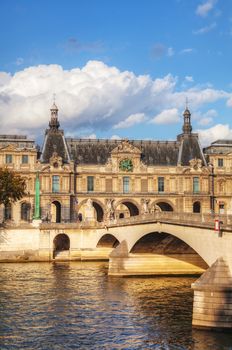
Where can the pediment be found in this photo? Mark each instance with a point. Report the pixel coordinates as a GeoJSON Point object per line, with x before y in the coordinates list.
{"type": "Point", "coordinates": [9, 148]}
{"type": "Point", "coordinates": [126, 147]}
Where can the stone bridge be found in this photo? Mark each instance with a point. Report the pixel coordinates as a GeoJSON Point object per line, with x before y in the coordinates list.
{"type": "Point", "coordinates": [151, 244]}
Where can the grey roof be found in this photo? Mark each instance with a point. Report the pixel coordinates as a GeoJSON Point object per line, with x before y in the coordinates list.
{"type": "Point", "coordinates": [219, 147]}
{"type": "Point", "coordinates": [155, 153]}
{"type": "Point", "coordinates": [19, 141]}
{"type": "Point", "coordinates": [54, 142]}
{"type": "Point", "coordinates": [190, 149]}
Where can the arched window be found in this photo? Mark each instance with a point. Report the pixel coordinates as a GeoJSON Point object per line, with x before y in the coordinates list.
{"type": "Point", "coordinates": [196, 207]}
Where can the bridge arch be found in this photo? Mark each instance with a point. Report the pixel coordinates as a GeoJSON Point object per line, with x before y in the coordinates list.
{"type": "Point", "coordinates": [198, 238]}
{"type": "Point", "coordinates": [108, 240]}
{"type": "Point", "coordinates": [131, 208]}
{"type": "Point", "coordinates": [162, 205]}
{"type": "Point", "coordinates": [61, 242]}
{"type": "Point", "coordinates": [98, 206]}
{"type": "Point", "coordinates": [166, 254]}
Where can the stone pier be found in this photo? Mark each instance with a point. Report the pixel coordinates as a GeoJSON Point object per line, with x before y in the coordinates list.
{"type": "Point", "coordinates": [212, 307]}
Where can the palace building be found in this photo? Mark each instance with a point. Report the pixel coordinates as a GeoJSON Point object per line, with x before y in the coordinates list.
{"type": "Point", "coordinates": [98, 180]}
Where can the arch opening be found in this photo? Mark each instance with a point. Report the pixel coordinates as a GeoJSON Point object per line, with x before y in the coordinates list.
{"type": "Point", "coordinates": [196, 207]}
{"type": "Point", "coordinates": [56, 212]}
{"type": "Point", "coordinates": [61, 243]}
{"type": "Point", "coordinates": [126, 209]}
{"type": "Point", "coordinates": [164, 206]}
{"type": "Point", "coordinates": [169, 254]}
{"type": "Point", "coordinates": [108, 241]}
{"type": "Point", "coordinates": [99, 211]}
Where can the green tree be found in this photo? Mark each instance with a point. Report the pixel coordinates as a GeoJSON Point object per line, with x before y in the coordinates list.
{"type": "Point", "coordinates": [12, 186]}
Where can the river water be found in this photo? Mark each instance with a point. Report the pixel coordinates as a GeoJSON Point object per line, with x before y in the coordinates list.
{"type": "Point", "coordinates": [77, 306]}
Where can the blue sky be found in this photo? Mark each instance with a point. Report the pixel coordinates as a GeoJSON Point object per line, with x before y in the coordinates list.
{"type": "Point", "coordinates": [118, 68]}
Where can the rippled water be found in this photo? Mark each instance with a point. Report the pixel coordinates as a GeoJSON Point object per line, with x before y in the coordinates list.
{"type": "Point", "coordinates": [77, 306]}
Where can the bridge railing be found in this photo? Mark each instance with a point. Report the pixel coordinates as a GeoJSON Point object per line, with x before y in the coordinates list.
{"type": "Point", "coordinates": [206, 220]}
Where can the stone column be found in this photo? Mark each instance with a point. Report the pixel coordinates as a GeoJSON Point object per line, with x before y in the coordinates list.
{"type": "Point", "coordinates": [212, 306]}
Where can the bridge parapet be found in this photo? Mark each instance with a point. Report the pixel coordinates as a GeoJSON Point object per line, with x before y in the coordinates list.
{"type": "Point", "coordinates": [181, 218]}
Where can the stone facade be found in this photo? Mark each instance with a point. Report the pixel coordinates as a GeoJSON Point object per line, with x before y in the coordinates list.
{"type": "Point", "coordinates": [121, 177]}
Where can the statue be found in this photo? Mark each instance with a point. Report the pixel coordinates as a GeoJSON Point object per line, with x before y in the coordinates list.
{"type": "Point", "coordinates": [110, 214]}
{"type": "Point", "coordinates": [145, 209]}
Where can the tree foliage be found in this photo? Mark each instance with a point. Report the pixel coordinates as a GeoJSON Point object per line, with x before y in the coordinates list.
{"type": "Point", "coordinates": [12, 186]}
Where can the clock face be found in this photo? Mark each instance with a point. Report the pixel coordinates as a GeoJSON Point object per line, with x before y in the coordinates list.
{"type": "Point", "coordinates": [126, 165]}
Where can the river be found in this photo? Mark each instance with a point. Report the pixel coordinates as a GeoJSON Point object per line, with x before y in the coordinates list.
{"type": "Point", "coordinates": [77, 306]}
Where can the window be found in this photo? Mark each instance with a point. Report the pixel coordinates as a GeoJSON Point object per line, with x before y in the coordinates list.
{"type": "Point", "coordinates": [55, 183]}
{"type": "Point", "coordinates": [126, 184]}
{"type": "Point", "coordinates": [90, 183]}
{"type": "Point", "coordinates": [25, 211]}
{"type": "Point", "coordinates": [160, 184]}
{"type": "Point", "coordinates": [196, 188]}
{"type": "Point", "coordinates": [7, 212]}
{"type": "Point", "coordinates": [220, 162]}
{"type": "Point", "coordinates": [24, 159]}
{"type": "Point", "coordinates": [221, 208]}
{"type": "Point", "coordinates": [8, 158]}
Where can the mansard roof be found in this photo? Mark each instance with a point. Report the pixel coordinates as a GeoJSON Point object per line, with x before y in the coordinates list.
{"type": "Point", "coordinates": [54, 141]}
{"type": "Point", "coordinates": [190, 149]}
{"type": "Point", "coordinates": [98, 152]}
{"type": "Point", "coordinates": [154, 153]}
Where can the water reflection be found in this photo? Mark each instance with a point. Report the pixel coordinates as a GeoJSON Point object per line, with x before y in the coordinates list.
{"type": "Point", "coordinates": [77, 306]}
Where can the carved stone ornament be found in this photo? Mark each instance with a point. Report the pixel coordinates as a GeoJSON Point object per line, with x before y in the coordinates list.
{"type": "Point", "coordinates": [55, 160]}
{"type": "Point", "coordinates": [126, 164]}
{"type": "Point", "coordinates": [195, 164]}
{"type": "Point", "coordinates": [126, 147]}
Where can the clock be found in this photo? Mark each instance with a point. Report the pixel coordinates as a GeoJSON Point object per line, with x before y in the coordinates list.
{"type": "Point", "coordinates": [126, 165]}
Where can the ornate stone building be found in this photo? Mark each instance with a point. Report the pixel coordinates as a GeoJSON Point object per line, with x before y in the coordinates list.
{"type": "Point", "coordinates": [83, 179]}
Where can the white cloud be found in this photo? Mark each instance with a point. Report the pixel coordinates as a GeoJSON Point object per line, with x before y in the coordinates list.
{"type": "Point", "coordinates": [170, 52]}
{"type": "Point", "coordinates": [219, 131]}
{"type": "Point", "coordinates": [187, 50]}
{"type": "Point", "coordinates": [168, 116]}
{"type": "Point", "coordinates": [115, 137]}
{"type": "Point", "coordinates": [91, 136]}
{"type": "Point", "coordinates": [95, 97]}
{"type": "Point", "coordinates": [204, 119]}
{"type": "Point", "coordinates": [229, 102]}
{"type": "Point", "coordinates": [205, 29]}
{"type": "Point", "coordinates": [203, 9]}
{"type": "Point", "coordinates": [133, 119]}
{"type": "Point", "coordinates": [189, 79]}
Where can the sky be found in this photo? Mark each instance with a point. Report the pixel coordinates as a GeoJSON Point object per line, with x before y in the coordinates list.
{"type": "Point", "coordinates": [116, 68]}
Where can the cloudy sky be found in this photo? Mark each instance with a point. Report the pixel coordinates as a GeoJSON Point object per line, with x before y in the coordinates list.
{"type": "Point", "coordinates": [118, 68]}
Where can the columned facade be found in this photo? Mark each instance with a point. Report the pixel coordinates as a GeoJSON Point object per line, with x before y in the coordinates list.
{"type": "Point", "coordinates": [101, 180]}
